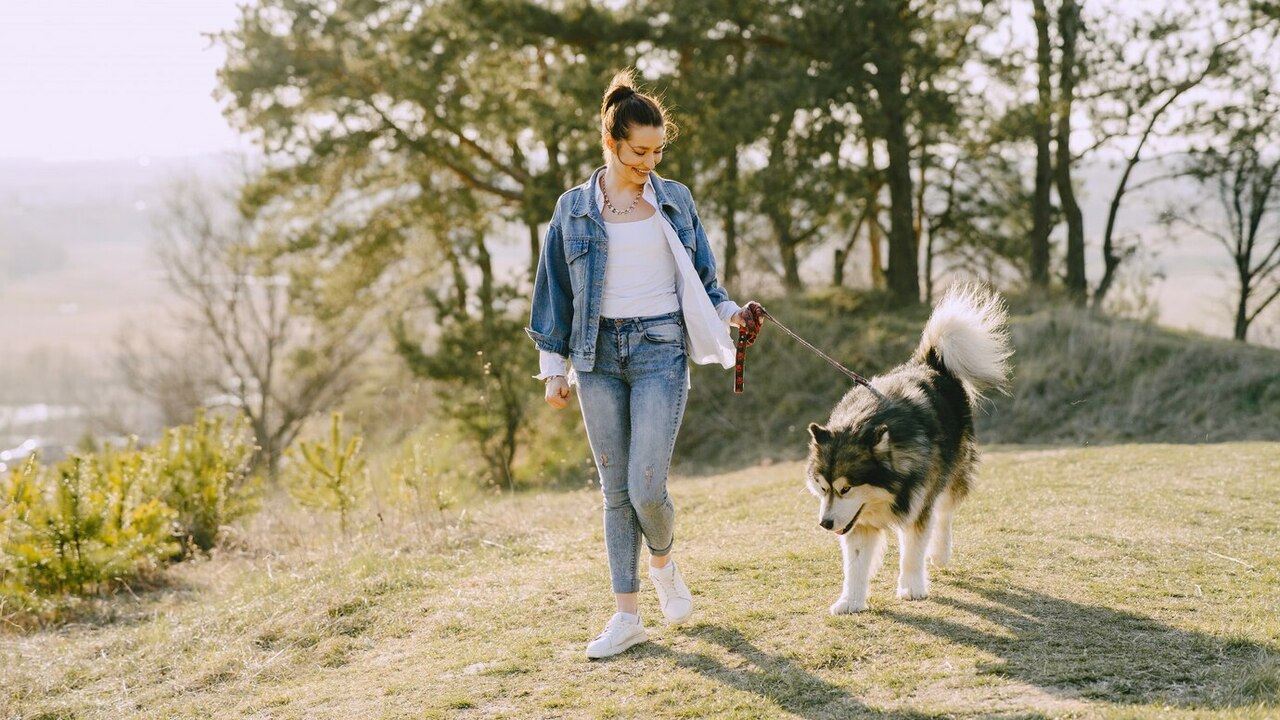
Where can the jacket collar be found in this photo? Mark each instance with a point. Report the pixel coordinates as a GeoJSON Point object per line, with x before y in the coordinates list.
{"type": "Point", "coordinates": [588, 195]}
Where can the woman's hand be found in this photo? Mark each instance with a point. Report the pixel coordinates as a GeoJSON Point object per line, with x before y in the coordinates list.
{"type": "Point", "coordinates": [750, 317]}
{"type": "Point", "coordinates": [557, 392]}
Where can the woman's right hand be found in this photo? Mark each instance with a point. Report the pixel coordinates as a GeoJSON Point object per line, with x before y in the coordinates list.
{"type": "Point", "coordinates": [557, 392]}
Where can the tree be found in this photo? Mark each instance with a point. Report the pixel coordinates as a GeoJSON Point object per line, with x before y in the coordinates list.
{"type": "Point", "coordinates": [1041, 207]}
{"type": "Point", "coordinates": [1244, 175]}
{"type": "Point", "coordinates": [1069, 26]}
{"type": "Point", "coordinates": [891, 23]}
{"type": "Point", "coordinates": [273, 363]}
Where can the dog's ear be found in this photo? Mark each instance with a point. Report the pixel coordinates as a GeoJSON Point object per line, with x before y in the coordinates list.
{"type": "Point", "coordinates": [819, 434]}
{"type": "Point", "coordinates": [881, 445]}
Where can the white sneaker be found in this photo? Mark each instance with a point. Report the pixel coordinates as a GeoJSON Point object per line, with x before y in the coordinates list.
{"type": "Point", "coordinates": [673, 594]}
{"type": "Point", "coordinates": [619, 634]}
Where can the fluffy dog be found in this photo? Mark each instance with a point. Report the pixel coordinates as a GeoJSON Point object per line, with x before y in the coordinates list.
{"type": "Point", "coordinates": [906, 459]}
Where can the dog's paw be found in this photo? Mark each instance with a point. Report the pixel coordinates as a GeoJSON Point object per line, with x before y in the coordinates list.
{"type": "Point", "coordinates": [916, 588]}
{"type": "Point", "coordinates": [940, 558]}
{"type": "Point", "coordinates": [845, 606]}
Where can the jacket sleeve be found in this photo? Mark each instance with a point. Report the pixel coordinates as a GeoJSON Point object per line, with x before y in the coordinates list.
{"type": "Point", "coordinates": [551, 315]}
{"type": "Point", "coordinates": [704, 262]}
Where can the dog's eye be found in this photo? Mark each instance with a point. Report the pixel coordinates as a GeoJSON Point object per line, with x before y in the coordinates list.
{"type": "Point", "coordinates": [844, 490]}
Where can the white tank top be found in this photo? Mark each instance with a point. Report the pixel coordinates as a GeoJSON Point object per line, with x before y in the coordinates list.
{"type": "Point", "coordinates": [640, 274]}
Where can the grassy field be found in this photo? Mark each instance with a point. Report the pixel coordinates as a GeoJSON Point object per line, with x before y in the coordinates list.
{"type": "Point", "coordinates": [1127, 581]}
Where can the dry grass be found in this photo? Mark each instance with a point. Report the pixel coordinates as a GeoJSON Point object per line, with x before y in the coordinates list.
{"type": "Point", "coordinates": [1129, 581]}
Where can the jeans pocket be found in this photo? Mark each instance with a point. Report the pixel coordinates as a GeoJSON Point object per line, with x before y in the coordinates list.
{"type": "Point", "coordinates": [665, 333]}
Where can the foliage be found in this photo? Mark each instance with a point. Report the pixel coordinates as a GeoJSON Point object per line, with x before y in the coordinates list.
{"type": "Point", "coordinates": [482, 365]}
{"type": "Point", "coordinates": [329, 474]}
{"type": "Point", "coordinates": [102, 518]}
{"type": "Point", "coordinates": [202, 471]}
{"type": "Point", "coordinates": [82, 526]}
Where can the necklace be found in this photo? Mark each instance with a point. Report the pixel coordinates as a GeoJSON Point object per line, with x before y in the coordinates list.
{"type": "Point", "coordinates": [608, 204]}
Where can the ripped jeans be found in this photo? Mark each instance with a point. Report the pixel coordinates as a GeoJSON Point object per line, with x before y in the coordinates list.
{"type": "Point", "coordinates": [632, 403]}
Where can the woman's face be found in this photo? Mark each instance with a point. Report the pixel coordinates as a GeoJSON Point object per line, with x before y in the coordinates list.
{"type": "Point", "coordinates": [640, 152]}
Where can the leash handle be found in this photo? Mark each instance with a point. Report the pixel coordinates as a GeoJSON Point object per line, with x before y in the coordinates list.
{"type": "Point", "coordinates": [746, 336]}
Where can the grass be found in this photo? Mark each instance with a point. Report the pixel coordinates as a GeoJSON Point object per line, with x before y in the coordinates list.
{"type": "Point", "coordinates": [1126, 581]}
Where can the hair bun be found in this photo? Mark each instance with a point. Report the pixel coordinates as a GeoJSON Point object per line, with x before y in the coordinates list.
{"type": "Point", "coordinates": [618, 94]}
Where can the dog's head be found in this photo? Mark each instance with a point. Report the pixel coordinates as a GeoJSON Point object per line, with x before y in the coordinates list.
{"type": "Point", "coordinates": [853, 470]}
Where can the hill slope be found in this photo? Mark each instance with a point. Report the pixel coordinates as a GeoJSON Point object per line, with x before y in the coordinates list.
{"type": "Point", "coordinates": [1078, 379]}
{"type": "Point", "coordinates": [1105, 582]}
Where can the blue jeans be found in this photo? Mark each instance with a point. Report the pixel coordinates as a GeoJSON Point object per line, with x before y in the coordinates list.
{"type": "Point", "coordinates": [632, 403]}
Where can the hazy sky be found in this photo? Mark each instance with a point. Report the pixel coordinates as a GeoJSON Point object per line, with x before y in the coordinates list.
{"type": "Point", "coordinates": [103, 79]}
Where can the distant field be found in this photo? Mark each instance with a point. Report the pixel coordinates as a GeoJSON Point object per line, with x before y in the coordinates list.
{"type": "Point", "coordinates": [1128, 581]}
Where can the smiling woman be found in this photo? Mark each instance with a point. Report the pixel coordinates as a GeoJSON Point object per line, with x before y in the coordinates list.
{"type": "Point", "coordinates": [626, 292]}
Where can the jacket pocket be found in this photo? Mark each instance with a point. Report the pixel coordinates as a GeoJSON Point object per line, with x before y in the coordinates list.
{"type": "Point", "coordinates": [688, 240]}
{"type": "Point", "coordinates": [575, 248]}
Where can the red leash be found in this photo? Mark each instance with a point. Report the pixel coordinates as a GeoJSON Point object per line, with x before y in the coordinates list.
{"type": "Point", "coordinates": [748, 334]}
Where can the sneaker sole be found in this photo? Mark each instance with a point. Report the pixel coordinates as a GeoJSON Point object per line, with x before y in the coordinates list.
{"type": "Point", "coordinates": [679, 621]}
{"type": "Point", "coordinates": [635, 640]}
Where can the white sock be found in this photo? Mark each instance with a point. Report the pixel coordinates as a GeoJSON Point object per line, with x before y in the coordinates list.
{"type": "Point", "coordinates": [667, 569]}
{"type": "Point", "coordinates": [628, 617]}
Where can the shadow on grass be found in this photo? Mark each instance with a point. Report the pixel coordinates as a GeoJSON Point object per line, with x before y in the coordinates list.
{"type": "Point", "coordinates": [774, 678]}
{"type": "Point", "coordinates": [1098, 653]}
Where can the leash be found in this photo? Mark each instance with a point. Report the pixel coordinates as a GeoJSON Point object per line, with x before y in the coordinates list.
{"type": "Point", "coordinates": [747, 335]}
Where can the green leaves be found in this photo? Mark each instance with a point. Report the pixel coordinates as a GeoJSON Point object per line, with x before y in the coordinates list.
{"type": "Point", "coordinates": [328, 474]}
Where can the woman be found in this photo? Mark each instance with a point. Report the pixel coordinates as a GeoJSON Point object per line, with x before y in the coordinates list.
{"type": "Point", "coordinates": [625, 296]}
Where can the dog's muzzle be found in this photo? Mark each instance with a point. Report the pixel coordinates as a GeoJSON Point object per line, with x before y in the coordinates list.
{"type": "Point", "coordinates": [852, 521]}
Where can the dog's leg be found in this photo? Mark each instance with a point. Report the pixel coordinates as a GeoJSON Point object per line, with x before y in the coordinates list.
{"type": "Point", "coordinates": [913, 583]}
{"type": "Point", "coordinates": [940, 540]}
{"type": "Point", "coordinates": [862, 549]}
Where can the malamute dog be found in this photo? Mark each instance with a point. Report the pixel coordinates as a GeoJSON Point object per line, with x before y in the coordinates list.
{"type": "Point", "coordinates": [906, 459]}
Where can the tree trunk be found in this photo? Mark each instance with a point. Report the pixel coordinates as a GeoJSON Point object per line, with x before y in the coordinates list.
{"type": "Point", "coordinates": [904, 281]}
{"type": "Point", "coordinates": [731, 223]}
{"type": "Point", "coordinates": [1110, 257]}
{"type": "Point", "coordinates": [1068, 17]}
{"type": "Point", "coordinates": [842, 254]}
{"type": "Point", "coordinates": [1242, 311]}
{"type": "Point", "coordinates": [890, 33]}
{"type": "Point", "coordinates": [535, 251]}
{"type": "Point", "coordinates": [873, 220]}
{"type": "Point", "coordinates": [1040, 208]}
{"type": "Point", "coordinates": [790, 264]}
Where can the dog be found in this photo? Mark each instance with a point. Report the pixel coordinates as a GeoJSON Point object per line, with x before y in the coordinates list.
{"type": "Point", "coordinates": [904, 457]}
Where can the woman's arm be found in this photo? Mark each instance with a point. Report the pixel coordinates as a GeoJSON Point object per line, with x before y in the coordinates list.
{"type": "Point", "coordinates": [551, 314]}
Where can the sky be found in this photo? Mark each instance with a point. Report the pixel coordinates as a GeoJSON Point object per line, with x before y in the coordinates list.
{"type": "Point", "coordinates": [111, 79]}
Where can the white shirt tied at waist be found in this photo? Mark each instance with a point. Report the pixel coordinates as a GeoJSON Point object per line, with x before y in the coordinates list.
{"type": "Point", "coordinates": [706, 327]}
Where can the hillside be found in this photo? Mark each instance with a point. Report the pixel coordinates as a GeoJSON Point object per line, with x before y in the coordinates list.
{"type": "Point", "coordinates": [1079, 379]}
{"type": "Point", "coordinates": [1128, 581]}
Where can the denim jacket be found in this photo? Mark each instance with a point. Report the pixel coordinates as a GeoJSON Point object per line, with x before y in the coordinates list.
{"type": "Point", "coordinates": [565, 316]}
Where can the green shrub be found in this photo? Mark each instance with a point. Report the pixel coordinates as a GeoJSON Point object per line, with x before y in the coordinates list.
{"type": "Point", "coordinates": [202, 472]}
{"type": "Point", "coordinates": [79, 527]}
{"type": "Point", "coordinates": [329, 475]}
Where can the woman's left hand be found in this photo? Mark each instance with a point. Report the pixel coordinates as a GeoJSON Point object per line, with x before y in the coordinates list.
{"type": "Point", "coordinates": [750, 317]}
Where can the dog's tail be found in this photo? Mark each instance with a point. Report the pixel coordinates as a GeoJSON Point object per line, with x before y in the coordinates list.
{"type": "Point", "coordinates": [967, 336]}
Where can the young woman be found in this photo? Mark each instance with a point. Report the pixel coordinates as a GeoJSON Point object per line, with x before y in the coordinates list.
{"type": "Point", "coordinates": [625, 296]}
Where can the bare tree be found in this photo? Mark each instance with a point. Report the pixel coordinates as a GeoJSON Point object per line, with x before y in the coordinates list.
{"type": "Point", "coordinates": [270, 361]}
{"type": "Point", "coordinates": [1244, 177]}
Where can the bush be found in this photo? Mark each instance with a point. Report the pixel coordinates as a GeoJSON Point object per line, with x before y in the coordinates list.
{"type": "Point", "coordinates": [202, 472]}
{"type": "Point", "coordinates": [101, 519]}
{"type": "Point", "coordinates": [79, 527]}
{"type": "Point", "coordinates": [328, 475]}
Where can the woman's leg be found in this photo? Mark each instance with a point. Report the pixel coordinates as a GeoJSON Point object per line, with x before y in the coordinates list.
{"type": "Point", "coordinates": [606, 412]}
{"type": "Point", "coordinates": [657, 407]}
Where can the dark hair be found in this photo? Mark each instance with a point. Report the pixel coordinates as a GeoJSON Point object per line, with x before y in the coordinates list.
{"type": "Point", "coordinates": [624, 107]}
